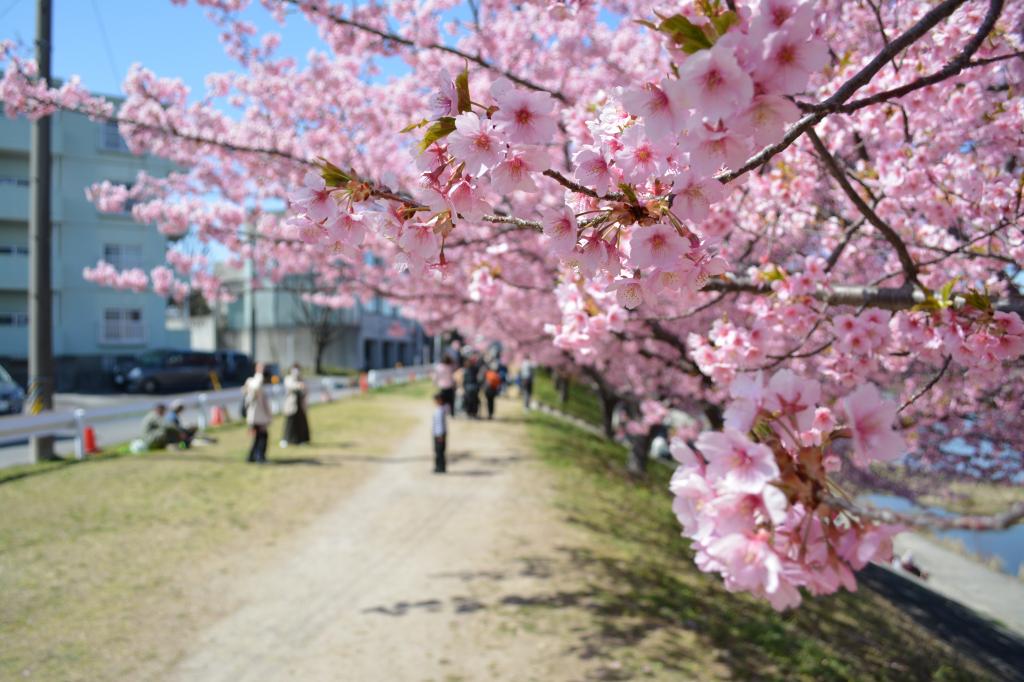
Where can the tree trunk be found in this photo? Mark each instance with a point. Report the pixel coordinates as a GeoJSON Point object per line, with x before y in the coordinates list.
{"type": "Point", "coordinates": [320, 357]}
{"type": "Point", "coordinates": [564, 390]}
{"type": "Point", "coordinates": [639, 450]}
{"type": "Point", "coordinates": [608, 402]}
{"type": "Point", "coordinates": [714, 414]}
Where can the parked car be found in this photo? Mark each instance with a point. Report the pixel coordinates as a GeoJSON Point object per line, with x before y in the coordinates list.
{"type": "Point", "coordinates": [119, 372]}
{"type": "Point", "coordinates": [171, 370]}
{"type": "Point", "coordinates": [233, 367]}
{"type": "Point", "coordinates": [12, 397]}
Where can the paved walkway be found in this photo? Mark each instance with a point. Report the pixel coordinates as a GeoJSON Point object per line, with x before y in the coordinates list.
{"type": "Point", "coordinates": [411, 562]}
{"type": "Point", "coordinates": [991, 593]}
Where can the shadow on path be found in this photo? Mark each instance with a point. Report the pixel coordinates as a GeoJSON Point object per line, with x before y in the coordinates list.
{"type": "Point", "coordinates": [962, 628]}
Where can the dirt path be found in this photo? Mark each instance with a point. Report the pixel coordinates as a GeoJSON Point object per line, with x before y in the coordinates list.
{"type": "Point", "coordinates": [411, 577]}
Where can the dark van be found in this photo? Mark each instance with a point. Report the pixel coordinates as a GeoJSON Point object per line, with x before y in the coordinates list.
{"type": "Point", "coordinates": [233, 367]}
{"type": "Point", "coordinates": [171, 370]}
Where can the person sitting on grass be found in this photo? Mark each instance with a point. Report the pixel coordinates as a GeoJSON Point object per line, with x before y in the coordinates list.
{"type": "Point", "coordinates": [156, 434]}
{"type": "Point", "coordinates": [178, 432]}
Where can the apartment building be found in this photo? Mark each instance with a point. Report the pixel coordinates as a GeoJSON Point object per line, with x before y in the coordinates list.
{"type": "Point", "coordinates": [93, 325]}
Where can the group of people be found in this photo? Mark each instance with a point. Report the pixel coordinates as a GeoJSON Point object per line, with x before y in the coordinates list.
{"type": "Point", "coordinates": [161, 427]}
{"type": "Point", "coordinates": [472, 374]}
{"type": "Point", "coordinates": [258, 413]}
{"type": "Point", "coordinates": [468, 371]}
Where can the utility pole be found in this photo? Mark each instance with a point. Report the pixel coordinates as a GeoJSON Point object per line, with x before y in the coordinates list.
{"type": "Point", "coordinates": [250, 292]}
{"type": "Point", "coordinates": [40, 294]}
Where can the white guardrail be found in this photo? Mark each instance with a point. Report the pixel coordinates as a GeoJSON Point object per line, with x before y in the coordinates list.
{"type": "Point", "coordinates": [76, 421]}
{"type": "Point", "coordinates": [376, 378]}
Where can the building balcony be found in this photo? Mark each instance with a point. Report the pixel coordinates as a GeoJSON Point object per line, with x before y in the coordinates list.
{"type": "Point", "coordinates": [13, 272]}
{"type": "Point", "coordinates": [13, 200]}
{"type": "Point", "coordinates": [14, 342]}
{"type": "Point", "coordinates": [14, 134]}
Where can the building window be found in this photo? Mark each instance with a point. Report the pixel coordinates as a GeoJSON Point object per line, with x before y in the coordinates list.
{"type": "Point", "coordinates": [123, 256]}
{"type": "Point", "coordinates": [13, 250]}
{"type": "Point", "coordinates": [110, 138]}
{"type": "Point", "coordinates": [122, 325]}
{"type": "Point", "coordinates": [13, 319]}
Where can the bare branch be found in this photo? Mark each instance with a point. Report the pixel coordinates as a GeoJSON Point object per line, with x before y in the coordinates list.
{"type": "Point", "coordinates": [938, 13]}
{"type": "Point", "coordinates": [900, 298]}
{"type": "Point", "coordinates": [928, 520]}
{"type": "Point", "coordinates": [578, 188]}
{"type": "Point", "coordinates": [909, 266]}
{"type": "Point", "coordinates": [927, 387]}
{"type": "Point", "coordinates": [395, 38]}
{"type": "Point", "coordinates": [953, 68]}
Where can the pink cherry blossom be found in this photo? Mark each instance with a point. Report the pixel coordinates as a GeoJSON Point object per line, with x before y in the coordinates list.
{"type": "Point", "coordinates": [870, 418]}
{"type": "Point", "coordinates": [592, 169]}
{"type": "Point", "coordinates": [740, 464]}
{"type": "Point", "coordinates": [715, 80]}
{"type": "Point", "coordinates": [513, 173]}
{"type": "Point", "coordinates": [561, 228]}
{"type": "Point", "coordinates": [663, 109]}
{"type": "Point", "coordinates": [475, 143]}
{"type": "Point", "coordinates": [657, 246]}
{"type": "Point", "coordinates": [315, 198]}
{"type": "Point", "coordinates": [525, 117]}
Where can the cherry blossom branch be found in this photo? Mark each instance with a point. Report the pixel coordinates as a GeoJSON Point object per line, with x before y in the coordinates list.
{"type": "Point", "coordinates": [578, 188]}
{"type": "Point", "coordinates": [931, 383]}
{"type": "Point", "coordinates": [395, 38]}
{"type": "Point", "coordinates": [833, 258]}
{"type": "Point", "coordinates": [512, 220]}
{"type": "Point", "coordinates": [953, 68]}
{"type": "Point", "coordinates": [928, 520]}
{"type": "Point", "coordinates": [891, 298]}
{"type": "Point", "coordinates": [831, 105]}
{"type": "Point", "coordinates": [909, 266]}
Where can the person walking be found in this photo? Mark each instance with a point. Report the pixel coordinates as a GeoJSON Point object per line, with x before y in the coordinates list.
{"type": "Point", "coordinates": [439, 430]}
{"type": "Point", "coordinates": [296, 424]}
{"type": "Point", "coordinates": [471, 378]}
{"type": "Point", "coordinates": [444, 379]}
{"type": "Point", "coordinates": [526, 380]}
{"type": "Point", "coordinates": [257, 412]}
{"type": "Point", "coordinates": [492, 387]}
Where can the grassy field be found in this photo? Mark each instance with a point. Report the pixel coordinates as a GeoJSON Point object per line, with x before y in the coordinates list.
{"type": "Point", "coordinates": [104, 563]}
{"type": "Point", "coordinates": [659, 613]}
{"type": "Point", "coordinates": [583, 402]}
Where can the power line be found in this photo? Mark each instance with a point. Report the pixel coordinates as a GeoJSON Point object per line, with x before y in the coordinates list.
{"type": "Point", "coordinates": [106, 43]}
{"type": "Point", "coordinates": [9, 8]}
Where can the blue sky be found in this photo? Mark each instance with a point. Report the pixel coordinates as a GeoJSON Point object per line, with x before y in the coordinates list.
{"type": "Point", "coordinates": [170, 40]}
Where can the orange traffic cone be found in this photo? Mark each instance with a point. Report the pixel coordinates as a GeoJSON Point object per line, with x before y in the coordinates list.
{"type": "Point", "coordinates": [364, 382]}
{"type": "Point", "coordinates": [89, 439]}
{"type": "Point", "coordinates": [217, 416]}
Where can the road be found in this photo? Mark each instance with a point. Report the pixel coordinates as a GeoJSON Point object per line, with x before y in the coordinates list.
{"type": "Point", "coordinates": [122, 429]}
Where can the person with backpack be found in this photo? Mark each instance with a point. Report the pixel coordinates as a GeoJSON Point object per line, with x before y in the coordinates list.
{"type": "Point", "coordinates": [492, 386]}
{"type": "Point", "coordinates": [472, 376]}
{"type": "Point", "coordinates": [257, 412]}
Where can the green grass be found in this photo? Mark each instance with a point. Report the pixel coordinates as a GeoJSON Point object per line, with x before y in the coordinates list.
{"type": "Point", "coordinates": [103, 561]}
{"type": "Point", "coordinates": [656, 611]}
{"type": "Point", "coordinates": [583, 403]}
